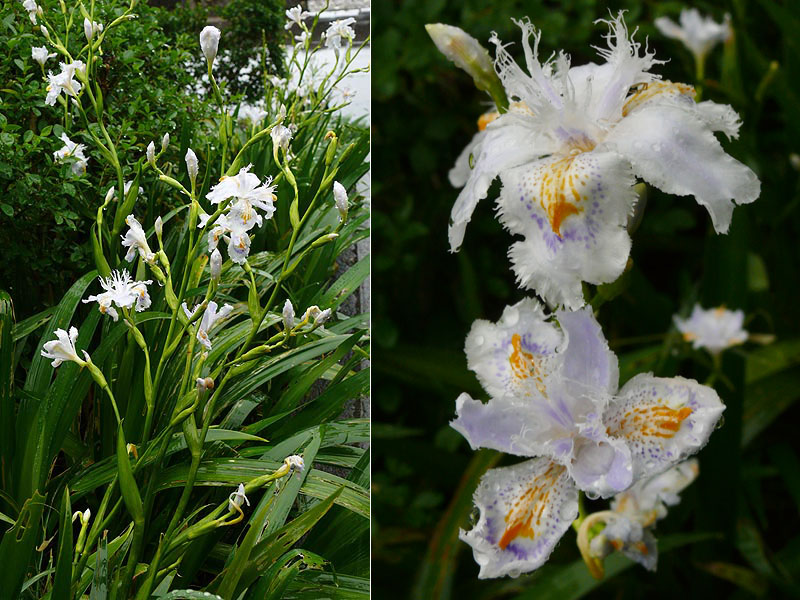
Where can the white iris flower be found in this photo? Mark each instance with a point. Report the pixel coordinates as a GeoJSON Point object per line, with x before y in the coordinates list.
{"type": "Point", "coordinates": [698, 33]}
{"type": "Point", "coordinates": [569, 149]}
{"type": "Point", "coordinates": [555, 397]}
{"type": "Point", "coordinates": [135, 239]}
{"type": "Point", "coordinates": [339, 30]}
{"type": "Point", "coordinates": [71, 150]}
{"type": "Point", "coordinates": [64, 82]}
{"type": "Point", "coordinates": [210, 317]}
{"type": "Point", "coordinates": [714, 329]}
{"type": "Point", "coordinates": [40, 55]}
{"type": "Point", "coordinates": [295, 16]}
{"type": "Point", "coordinates": [121, 289]}
{"type": "Point", "coordinates": [63, 348]}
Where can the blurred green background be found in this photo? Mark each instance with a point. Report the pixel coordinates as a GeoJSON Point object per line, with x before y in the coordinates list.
{"type": "Point", "coordinates": [735, 534]}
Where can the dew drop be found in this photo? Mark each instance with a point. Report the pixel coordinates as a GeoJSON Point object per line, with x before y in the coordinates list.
{"type": "Point", "coordinates": [720, 423]}
{"type": "Point", "coordinates": [592, 495]}
{"type": "Point", "coordinates": [479, 340]}
{"type": "Point", "coordinates": [474, 515]}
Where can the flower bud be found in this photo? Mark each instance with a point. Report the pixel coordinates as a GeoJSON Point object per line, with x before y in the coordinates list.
{"type": "Point", "coordinates": [322, 317]}
{"type": "Point", "coordinates": [468, 54]}
{"type": "Point", "coordinates": [45, 32]}
{"type": "Point", "coordinates": [201, 385]}
{"type": "Point", "coordinates": [215, 264]}
{"type": "Point", "coordinates": [209, 42]}
{"type": "Point", "coordinates": [191, 164]}
{"type": "Point", "coordinates": [165, 142]}
{"type": "Point", "coordinates": [288, 315]}
{"type": "Point", "coordinates": [110, 194]}
{"type": "Point", "coordinates": [340, 198]}
{"type": "Point", "coordinates": [90, 28]}
{"type": "Point", "coordinates": [159, 226]}
{"type": "Point", "coordinates": [151, 153]}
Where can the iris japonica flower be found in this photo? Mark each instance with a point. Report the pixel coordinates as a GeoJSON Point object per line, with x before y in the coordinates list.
{"type": "Point", "coordinates": [698, 33]}
{"type": "Point", "coordinates": [553, 387]}
{"type": "Point", "coordinates": [281, 137]}
{"type": "Point", "coordinates": [210, 317]}
{"type": "Point", "coordinates": [64, 82]}
{"type": "Point", "coordinates": [63, 348]}
{"type": "Point", "coordinates": [136, 239]}
{"type": "Point", "coordinates": [634, 512]}
{"type": "Point", "coordinates": [252, 115]}
{"type": "Point", "coordinates": [74, 151]}
{"type": "Point", "coordinates": [295, 463]}
{"type": "Point", "coordinates": [237, 498]}
{"type": "Point", "coordinates": [40, 55]}
{"type": "Point", "coordinates": [121, 289]}
{"type": "Point", "coordinates": [337, 31]}
{"type": "Point", "coordinates": [33, 10]}
{"type": "Point", "coordinates": [714, 329]}
{"type": "Point", "coordinates": [247, 194]}
{"type": "Point", "coordinates": [568, 151]}
{"type": "Point", "coordinates": [215, 265]}
{"type": "Point", "coordinates": [191, 164]}
{"type": "Point", "coordinates": [295, 16]}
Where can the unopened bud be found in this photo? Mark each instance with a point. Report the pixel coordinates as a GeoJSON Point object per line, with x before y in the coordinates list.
{"type": "Point", "coordinates": [164, 142]}
{"type": "Point", "coordinates": [215, 264]}
{"type": "Point", "coordinates": [151, 153]}
{"type": "Point", "coordinates": [288, 315]}
{"type": "Point", "coordinates": [468, 54]}
{"type": "Point", "coordinates": [340, 198]}
{"type": "Point", "coordinates": [191, 164]}
{"type": "Point", "coordinates": [131, 449]}
{"type": "Point", "coordinates": [209, 43]}
{"type": "Point", "coordinates": [109, 194]}
{"type": "Point", "coordinates": [45, 32]}
{"type": "Point", "coordinates": [159, 226]}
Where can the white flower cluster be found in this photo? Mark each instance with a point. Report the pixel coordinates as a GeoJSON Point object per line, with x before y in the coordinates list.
{"type": "Point", "coordinates": [247, 195]}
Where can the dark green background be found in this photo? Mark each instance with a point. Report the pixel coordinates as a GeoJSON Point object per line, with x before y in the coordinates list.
{"type": "Point", "coordinates": [425, 299]}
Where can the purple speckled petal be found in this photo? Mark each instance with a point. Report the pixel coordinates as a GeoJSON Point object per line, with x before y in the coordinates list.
{"type": "Point", "coordinates": [524, 511]}
{"type": "Point", "coordinates": [663, 420]}
{"type": "Point", "coordinates": [510, 425]}
{"type": "Point", "coordinates": [516, 355]}
{"type": "Point", "coordinates": [572, 211]}
{"type": "Point", "coordinates": [589, 365]}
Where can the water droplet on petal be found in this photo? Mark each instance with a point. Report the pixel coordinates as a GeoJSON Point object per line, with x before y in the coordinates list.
{"type": "Point", "coordinates": [720, 423]}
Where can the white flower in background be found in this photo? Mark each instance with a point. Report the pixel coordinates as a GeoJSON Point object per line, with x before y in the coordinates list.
{"type": "Point", "coordinates": [74, 151]}
{"type": "Point", "coordinates": [165, 142]}
{"type": "Point", "coordinates": [150, 153]}
{"type": "Point", "coordinates": [281, 137]}
{"type": "Point", "coordinates": [698, 33]}
{"type": "Point", "coordinates": [237, 498]}
{"type": "Point", "coordinates": [339, 30]}
{"type": "Point", "coordinates": [340, 199]}
{"type": "Point", "coordinates": [90, 28]}
{"type": "Point", "coordinates": [63, 348]}
{"type": "Point", "coordinates": [209, 43]}
{"type": "Point", "coordinates": [252, 115]}
{"type": "Point", "coordinates": [569, 148]}
{"type": "Point", "coordinates": [215, 265]}
{"type": "Point", "coordinates": [635, 511]}
{"type": "Point", "coordinates": [64, 82]}
{"type": "Point", "coordinates": [714, 329]}
{"type": "Point", "coordinates": [191, 164]}
{"type": "Point", "coordinates": [121, 289]}
{"type": "Point", "coordinates": [288, 315]}
{"type": "Point", "coordinates": [295, 16]}
{"type": "Point", "coordinates": [295, 463]}
{"type": "Point", "coordinates": [302, 38]}
{"type": "Point", "coordinates": [33, 10]}
{"type": "Point", "coordinates": [345, 93]}
{"type": "Point", "coordinates": [40, 55]}
{"type": "Point", "coordinates": [554, 396]}
{"type": "Point", "coordinates": [210, 316]}
{"type": "Point", "coordinates": [135, 239]}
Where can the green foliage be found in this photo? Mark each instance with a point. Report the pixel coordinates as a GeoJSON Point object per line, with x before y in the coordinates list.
{"type": "Point", "coordinates": [46, 211]}
{"type": "Point", "coordinates": [129, 433]}
{"type": "Point", "coordinates": [425, 300]}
